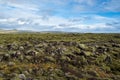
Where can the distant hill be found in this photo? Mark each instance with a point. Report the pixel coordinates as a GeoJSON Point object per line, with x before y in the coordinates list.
{"type": "Point", "coordinates": [27, 31]}
{"type": "Point", "coordinates": [14, 31]}
{"type": "Point", "coordinates": [8, 31]}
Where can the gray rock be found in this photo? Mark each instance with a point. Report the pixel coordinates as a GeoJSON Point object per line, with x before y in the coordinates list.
{"type": "Point", "coordinates": [21, 48]}
{"type": "Point", "coordinates": [22, 76]}
{"type": "Point", "coordinates": [11, 64]}
{"type": "Point", "coordinates": [82, 46]}
{"type": "Point", "coordinates": [1, 75]}
{"type": "Point", "coordinates": [26, 72]}
{"type": "Point", "coordinates": [32, 53]}
{"type": "Point", "coordinates": [5, 57]}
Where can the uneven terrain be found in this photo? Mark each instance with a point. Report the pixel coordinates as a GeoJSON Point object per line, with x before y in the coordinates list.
{"type": "Point", "coordinates": [59, 56]}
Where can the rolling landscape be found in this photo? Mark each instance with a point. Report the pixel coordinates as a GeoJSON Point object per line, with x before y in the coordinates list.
{"type": "Point", "coordinates": [59, 39]}
{"type": "Point", "coordinates": [59, 56]}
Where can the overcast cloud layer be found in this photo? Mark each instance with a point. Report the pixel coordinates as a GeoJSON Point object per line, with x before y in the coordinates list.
{"type": "Point", "coordinates": [61, 15]}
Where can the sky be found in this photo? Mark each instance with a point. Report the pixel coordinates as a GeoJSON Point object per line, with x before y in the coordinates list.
{"type": "Point", "coordinates": [101, 16]}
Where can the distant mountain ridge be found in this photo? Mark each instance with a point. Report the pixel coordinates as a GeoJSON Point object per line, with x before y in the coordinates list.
{"type": "Point", "coordinates": [14, 31]}
{"type": "Point", "coordinates": [8, 31]}
{"type": "Point", "coordinates": [28, 31]}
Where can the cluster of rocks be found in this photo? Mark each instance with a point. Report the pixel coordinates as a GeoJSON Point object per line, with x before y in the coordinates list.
{"type": "Point", "coordinates": [69, 57]}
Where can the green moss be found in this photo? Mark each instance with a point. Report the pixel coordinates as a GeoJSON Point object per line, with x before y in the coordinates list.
{"type": "Point", "coordinates": [50, 63]}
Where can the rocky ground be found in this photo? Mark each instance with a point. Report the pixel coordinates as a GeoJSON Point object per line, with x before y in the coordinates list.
{"type": "Point", "coordinates": [59, 56]}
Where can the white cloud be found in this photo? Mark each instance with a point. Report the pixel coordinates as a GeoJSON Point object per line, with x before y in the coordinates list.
{"type": "Point", "coordinates": [112, 5]}
{"type": "Point", "coordinates": [21, 23]}
{"type": "Point", "coordinates": [97, 6]}
{"type": "Point", "coordinates": [21, 4]}
{"type": "Point", "coordinates": [87, 2]}
{"type": "Point", "coordinates": [30, 15]}
{"type": "Point", "coordinates": [63, 24]}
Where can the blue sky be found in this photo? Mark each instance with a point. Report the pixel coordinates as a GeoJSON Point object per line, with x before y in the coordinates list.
{"type": "Point", "coordinates": [61, 15]}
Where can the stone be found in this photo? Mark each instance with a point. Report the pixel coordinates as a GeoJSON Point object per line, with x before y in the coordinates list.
{"type": "Point", "coordinates": [100, 50]}
{"type": "Point", "coordinates": [93, 73]}
{"type": "Point", "coordinates": [26, 72]}
{"type": "Point", "coordinates": [82, 46]}
{"type": "Point", "coordinates": [21, 48]}
{"type": "Point", "coordinates": [11, 64]}
{"type": "Point", "coordinates": [32, 53]}
{"type": "Point", "coordinates": [5, 57]}
{"type": "Point", "coordinates": [1, 75]}
{"type": "Point", "coordinates": [22, 76]}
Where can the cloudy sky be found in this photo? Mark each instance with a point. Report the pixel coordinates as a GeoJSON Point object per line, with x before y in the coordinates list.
{"type": "Point", "coordinates": [61, 15]}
